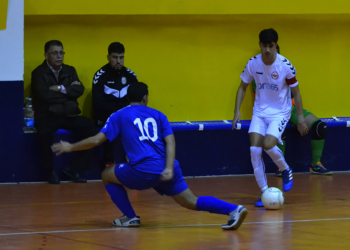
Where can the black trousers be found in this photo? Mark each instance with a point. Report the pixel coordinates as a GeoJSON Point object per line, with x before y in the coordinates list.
{"type": "Point", "coordinates": [114, 151]}
{"type": "Point", "coordinates": [81, 127]}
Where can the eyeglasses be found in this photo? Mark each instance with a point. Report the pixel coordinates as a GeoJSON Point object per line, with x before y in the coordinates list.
{"type": "Point", "coordinates": [56, 53]}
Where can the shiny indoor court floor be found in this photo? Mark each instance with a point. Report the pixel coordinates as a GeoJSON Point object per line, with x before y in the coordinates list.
{"type": "Point", "coordinates": [316, 215]}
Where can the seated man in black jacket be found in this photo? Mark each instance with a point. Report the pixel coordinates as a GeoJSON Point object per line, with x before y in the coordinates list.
{"type": "Point", "coordinates": [109, 90]}
{"type": "Point", "coordinates": [56, 88]}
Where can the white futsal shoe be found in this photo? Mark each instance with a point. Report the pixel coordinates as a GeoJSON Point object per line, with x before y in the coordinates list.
{"type": "Point", "coordinates": [125, 221]}
{"type": "Point", "coordinates": [236, 217]}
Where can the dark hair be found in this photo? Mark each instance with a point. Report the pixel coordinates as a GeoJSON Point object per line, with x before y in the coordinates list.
{"type": "Point", "coordinates": [52, 43]}
{"type": "Point", "coordinates": [116, 47]}
{"type": "Point", "coordinates": [278, 48]}
{"type": "Point", "coordinates": [268, 36]}
{"type": "Point", "coordinates": [137, 91]}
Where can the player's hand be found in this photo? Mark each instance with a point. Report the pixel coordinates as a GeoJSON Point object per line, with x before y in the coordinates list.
{"type": "Point", "coordinates": [61, 147]}
{"type": "Point", "coordinates": [236, 118]}
{"type": "Point", "coordinates": [75, 83]}
{"type": "Point", "coordinates": [303, 129]}
{"type": "Point", "coordinates": [167, 175]}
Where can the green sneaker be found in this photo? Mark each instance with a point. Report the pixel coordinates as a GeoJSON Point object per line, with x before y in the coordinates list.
{"type": "Point", "coordinates": [319, 169]}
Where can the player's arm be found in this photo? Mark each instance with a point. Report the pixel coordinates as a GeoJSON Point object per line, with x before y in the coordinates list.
{"type": "Point", "coordinates": [239, 99]}
{"type": "Point", "coordinates": [168, 172]}
{"type": "Point", "coordinates": [91, 142]}
{"type": "Point", "coordinates": [302, 127]}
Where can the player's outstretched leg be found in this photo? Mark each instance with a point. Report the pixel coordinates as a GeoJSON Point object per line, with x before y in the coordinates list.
{"type": "Point", "coordinates": [211, 204]}
{"type": "Point", "coordinates": [120, 198]}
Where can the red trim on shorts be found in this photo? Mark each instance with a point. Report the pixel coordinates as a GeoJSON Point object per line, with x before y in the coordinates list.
{"type": "Point", "coordinates": [291, 81]}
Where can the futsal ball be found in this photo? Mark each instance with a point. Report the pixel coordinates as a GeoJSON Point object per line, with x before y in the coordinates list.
{"type": "Point", "coordinates": [272, 198]}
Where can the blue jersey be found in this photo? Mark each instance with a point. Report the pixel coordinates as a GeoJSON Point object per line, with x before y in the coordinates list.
{"type": "Point", "coordinates": [142, 130]}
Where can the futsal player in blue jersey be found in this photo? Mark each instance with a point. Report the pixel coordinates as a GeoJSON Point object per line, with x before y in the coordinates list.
{"type": "Point", "coordinates": [150, 145]}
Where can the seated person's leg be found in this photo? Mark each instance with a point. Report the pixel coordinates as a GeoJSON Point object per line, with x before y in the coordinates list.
{"type": "Point", "coordinates": [117, 151]}
{"type": "Point", "coordinates": [80, 162]}
{"type": "Point", "coordinates": [82, 128]}
{"type": "Point", "coordinates": [45, 133]}
{"type": "Point", "coordinates": [113, 152]}
{"type": "Point", "coordinates": [319, 131]}
{"type": "Point", "coordinates": [108, 154]}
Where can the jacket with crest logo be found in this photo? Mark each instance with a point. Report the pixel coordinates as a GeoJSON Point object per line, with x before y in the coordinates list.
{"type": "Point", "coordinates": [109, 89]}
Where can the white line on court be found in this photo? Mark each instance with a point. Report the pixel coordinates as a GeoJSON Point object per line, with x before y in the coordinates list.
{"type": "Point", "coordinates": [160, 227]}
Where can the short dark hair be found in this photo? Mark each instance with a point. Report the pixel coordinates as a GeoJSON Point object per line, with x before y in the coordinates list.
{"type": "Point", "coordinates": [278, 49]}
{"type": "Point", "coordinates": [52, 43]}
{"type": "Point", "coordinates": [116, 47]}
{"type": "Point", "coordinates": [268, 36]}
{"type": "Point", "coordinates": [137, 91]}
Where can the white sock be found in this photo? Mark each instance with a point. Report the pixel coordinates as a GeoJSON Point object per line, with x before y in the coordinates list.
{"type": "Point", "coordinates": [258, 165]}
{"type": "Point", "coordinates": [277, 156]}
{"type": "Point", "coordinates": [264, 188]}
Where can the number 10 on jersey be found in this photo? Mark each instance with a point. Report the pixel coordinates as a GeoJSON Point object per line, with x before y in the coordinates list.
{"type": "Point", "coordinates": [145, 128]}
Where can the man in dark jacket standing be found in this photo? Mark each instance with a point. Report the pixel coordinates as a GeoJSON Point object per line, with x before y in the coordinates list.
{"type": "Point", "coordinates": [109, 88]}
{"type": "Point", "coordinates": [56, 88]}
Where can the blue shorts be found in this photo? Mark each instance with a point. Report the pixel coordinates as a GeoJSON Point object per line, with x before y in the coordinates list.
{"type": "Point", "coordinates": [135, 179]}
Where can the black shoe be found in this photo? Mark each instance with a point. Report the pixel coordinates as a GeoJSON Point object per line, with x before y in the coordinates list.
{"type": "Point", "coordinates": [74, 175]}
{"type": "Point", "coordinates": [53, 178]}
{"type": "Point", "coordinates": [279, 173]}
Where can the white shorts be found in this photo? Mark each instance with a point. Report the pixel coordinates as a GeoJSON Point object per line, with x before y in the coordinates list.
{"type": "Point", "coordinates": [269, 126]}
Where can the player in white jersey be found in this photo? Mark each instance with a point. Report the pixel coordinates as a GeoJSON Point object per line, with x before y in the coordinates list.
{"type": "Point", "coordinates": [275, 81]}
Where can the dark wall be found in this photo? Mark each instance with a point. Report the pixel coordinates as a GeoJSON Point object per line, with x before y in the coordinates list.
{"type": "Point", "coordinates": [11, 131]}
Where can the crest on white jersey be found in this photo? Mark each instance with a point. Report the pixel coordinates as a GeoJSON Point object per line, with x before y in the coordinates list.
{"type": "Point", "coordinates": [123, 80]}
{"type": "Point", "coordinates": [274, 75]}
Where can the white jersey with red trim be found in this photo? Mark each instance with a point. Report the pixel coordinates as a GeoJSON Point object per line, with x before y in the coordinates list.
{"type": "Point", "coordinates": [273, 82]}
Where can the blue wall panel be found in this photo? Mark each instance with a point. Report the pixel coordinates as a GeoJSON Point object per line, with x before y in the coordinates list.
{"type": "Point", "coordinates": [222, 152]}
{"type": "Point", "coordinates": [200, 153]}
{"type": "Point", "coordinates": [11, 133]}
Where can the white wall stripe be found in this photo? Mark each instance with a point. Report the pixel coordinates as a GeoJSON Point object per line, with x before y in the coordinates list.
{"type": "Point", "coordinates": [11, 43]}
